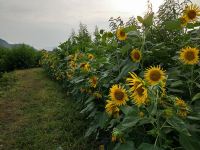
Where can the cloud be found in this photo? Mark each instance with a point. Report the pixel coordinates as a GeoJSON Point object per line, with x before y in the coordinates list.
{"type": "Point", "coordinates": [46, 23]}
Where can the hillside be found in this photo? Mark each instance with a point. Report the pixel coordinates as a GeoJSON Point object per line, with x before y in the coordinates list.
{"type": "Point", "coordinates": [3, 43]}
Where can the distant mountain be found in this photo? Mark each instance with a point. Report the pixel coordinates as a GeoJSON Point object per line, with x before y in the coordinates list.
{"type": "Point", "coordinates": [3, 43]}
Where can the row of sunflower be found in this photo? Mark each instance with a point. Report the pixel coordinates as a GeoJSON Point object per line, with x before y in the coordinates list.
{"type": "Point", "coordinates": [139, 91]}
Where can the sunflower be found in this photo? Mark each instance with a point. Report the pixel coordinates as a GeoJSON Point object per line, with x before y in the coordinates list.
{"type": "Point", "coordinates": [134, 81]}
{"type": "Point", "coordinates": [182, 107]}
{"type": "Point", "coordinates": [73, 65]}
{"type": "Point", "coordinates": [140, 95]}
{"type": "Point", "coordinates": [111, 108]}
{"type": "Point", "coordinates": [154, 75]}
{"type": "Point", "coordinates": [192, 12]}
{"type": "Point", "coordinates": [90, 56]}
{"type": "Point", "coordinates": [189, 55]}
{"type": "Point", "coordinates": [93, 81]}
{"type": "Point", "coordinates": [118, 95]}
{"type": "Point", "coordinates": [136, 55]}
{"type": "Point", "coordinates": [121, 35]}
{"type": "Point", "coordinates": [85, 66]}
{"type": "Point", "coordinates": [184, 20]}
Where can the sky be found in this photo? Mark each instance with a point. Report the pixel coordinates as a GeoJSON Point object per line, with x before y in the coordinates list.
{"type": "Point", "coordinates": [47, 23]}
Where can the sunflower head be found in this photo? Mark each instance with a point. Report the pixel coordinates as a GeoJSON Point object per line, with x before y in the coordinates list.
{"type": "Point", "coordinates": [118, 94]}
{"type": "Point", "coordinates": [182, 107]}
{"type": "Point", "coordinates": [184, 20]}
{"type": "Point", "coordinates": [140, 95]}
{"type": "Point", "coordinates": [121, 35]}
{"type": "Point", "coordinates": [133, 81]}
{"type": "Point", "coordinates": [85, 66]}
{"type": "Point", "coordinates": [154, 75]}
{"type": "Point", "coordinates": [90, 56]}
{"type": "Point", "coordinates": [136, 55]}
{"type": "Point", "coordinates": [192, 12]}
{"type": "Point", "coordinates": [73, 65]}
{"type": "Point", "coordinates": [111, 108]}
{"type": "Point", "coordinates": [93, 81]}
{"type": "Point", "coordinates": [189, 55]}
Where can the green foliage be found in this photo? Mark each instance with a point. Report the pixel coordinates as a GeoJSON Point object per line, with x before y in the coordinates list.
{"type": "Point", "coordinates": [18, 57]}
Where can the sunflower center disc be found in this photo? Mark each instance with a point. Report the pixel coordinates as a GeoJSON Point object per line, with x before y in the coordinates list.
{"type": "Point", "coordinates": [155, 75]}
{"type": "Point", "coordinates": [122, 34]}
{"type": "Point", "coordinates": [140, 91]}
{"type": "Point", "coordinates": [136, 56]}
{"type": "Point", "coordinates": [119, 95]}
{"type": "Point", "coordinates": [192, 14]}
{"type": "Point", "coordinates": [189, 56]}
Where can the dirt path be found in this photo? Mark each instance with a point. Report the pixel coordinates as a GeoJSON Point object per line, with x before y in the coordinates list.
{"type": "Point", "coordinates": [35, 114]}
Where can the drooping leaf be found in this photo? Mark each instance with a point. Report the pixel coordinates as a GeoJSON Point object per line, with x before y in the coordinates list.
{"type": "Point", "coordinates": [179, 125]}
{"type": "Point", "coordinates": [196, 97]}
{"type": "Point", "coordinates": [189, 142]}
{"type": "Point", "coordinates": [129, 67]}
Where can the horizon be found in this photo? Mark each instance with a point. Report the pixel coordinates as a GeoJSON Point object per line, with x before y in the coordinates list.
{"type": "Point", "coordinates": [45, 24]}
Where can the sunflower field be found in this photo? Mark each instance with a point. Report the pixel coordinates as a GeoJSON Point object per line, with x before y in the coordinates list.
{"type": "Point", "coordinates": [139, 83]}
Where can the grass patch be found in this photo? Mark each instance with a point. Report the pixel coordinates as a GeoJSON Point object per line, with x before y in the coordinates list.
{"type": "Point", "coordinates": [35, 114]}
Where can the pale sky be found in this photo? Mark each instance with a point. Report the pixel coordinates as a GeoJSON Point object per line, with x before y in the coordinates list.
{"type": "Point", "coordinates": [46, 23]}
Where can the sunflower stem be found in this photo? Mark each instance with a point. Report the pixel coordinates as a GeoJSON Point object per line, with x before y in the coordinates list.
{"type": "Point", "coordinates": [142, 47]}
{"type": "Point", "coordinates": [192, 80]}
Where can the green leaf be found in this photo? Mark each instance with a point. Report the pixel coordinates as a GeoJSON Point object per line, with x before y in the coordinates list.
{"type": "Point", "coordinates": [173, 25]}
{"type": "Point", "coordinates": [126, 109]}
{"type": "Point", "coordinates": [130, 28]}
{"type": "Point", "coordinates": [130, 121]}
{"type": "Point", "coordinates": [176, 83]}
{"type": "Point", "coordinates": [196, 97]}
{"type": "Point", "coordinates": [129, 67]}
{"type": "Point", "coordinates": [179, 125]}
{"type": "Point", "coordinates": [125, 48]}
{"type": "Point", "coordinates": [91, 130]}
{"type": "Point", "coordinates": [193, 25]}
{"type": "Point", "coordinates": [147, 146]}
{"type": "Point", "coordinates": [103, 118]}
{"type": "Point", "coordinates": [129, 145]}
{"type": "Point", "coordinates": [89, 107]}
{"type": "Point", "coordinates": [176, 91]}
{"type": "Point", "coordinates": [189, 142]}
{"type": "Point", "coordinates": [140, 19]}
